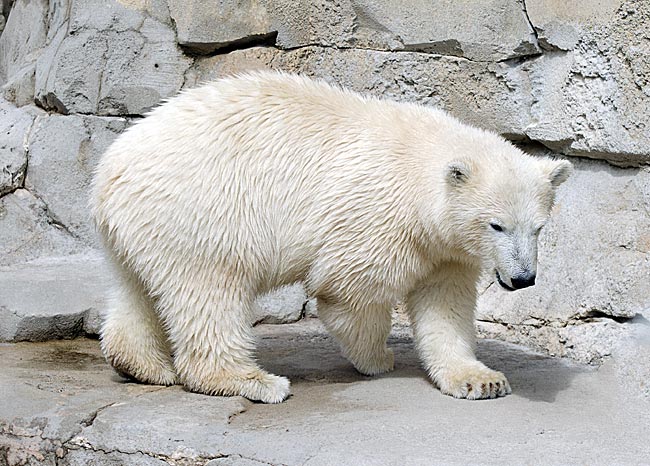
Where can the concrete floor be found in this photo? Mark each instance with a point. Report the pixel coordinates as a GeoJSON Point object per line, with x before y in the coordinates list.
{"type": "Point", "coordinates": [60, 403]}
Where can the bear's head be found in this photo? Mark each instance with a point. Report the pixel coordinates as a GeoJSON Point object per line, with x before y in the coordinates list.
{"type": "Point", "coordinates": [498, 205]}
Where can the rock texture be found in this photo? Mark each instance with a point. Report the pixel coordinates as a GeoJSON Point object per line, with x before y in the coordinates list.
{"type": "Point", "coordinates": [63, 405]}
{"type": "Point", "coordinates": [63, 152]}
{"type": "Point", "coordinates": [20, 45]}
{"type": "Point", "coordinates": [573, 78]}
{"type": "Point", "coordinates": [592, 99]}
{"type": "Point", "coordinates": [282, 306]}
{"type": "Point", "coordinates": [109, 58]}
{"type": "Point", "coordinates": [15, 125]}
{"type": "Point", "coordinates": [29, 231]}
{"type": "Point", "coordinates": [449, 28]}
{"type": "Point", "coordinates": [204, 27]}
{"type": "Point", "coordinates": [54, 298]}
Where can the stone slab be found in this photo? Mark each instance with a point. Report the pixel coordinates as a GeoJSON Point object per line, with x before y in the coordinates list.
{"type": "Point", "coordinates": [479, 30]}
{"type": "Point", "coordinates": [52, 298]}
{"type": "Point", "coordinates": [281, 306]}
{"type": "Point", "coordinates": [592, 100]}
{"type": "Point", "coordinates": [23, 36]}
{"type": "Point", "coordinates": [240, 22]}
{"type": "Point", "coordinates": [28, 232]}
{"type": "Point", "coordinates": [63, 152]}
{"type": "Point", "coordinates": [110, 58]}
{"type": "Point", "coordinates": [15, 125]}
{"type": "Point", "coordinates": [64, 398]}
{"type": "Point", "coordinates": [559, 24]}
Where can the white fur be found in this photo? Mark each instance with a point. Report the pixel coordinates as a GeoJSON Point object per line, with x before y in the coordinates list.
{"type": "Point", "coordinates": [244, 184]}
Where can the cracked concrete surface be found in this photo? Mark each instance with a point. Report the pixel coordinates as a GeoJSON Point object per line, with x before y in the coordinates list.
{"type": "Point", "coordinates": [63, 405]}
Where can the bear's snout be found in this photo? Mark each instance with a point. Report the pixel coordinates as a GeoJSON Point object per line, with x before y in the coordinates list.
{"type": "Point", "coordinates": [520, 281]}
{"type": "Point", "coordinates": [523, 281]}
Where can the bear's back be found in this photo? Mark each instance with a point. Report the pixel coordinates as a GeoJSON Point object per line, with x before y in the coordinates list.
{"type": "Point", "coordinates": [271, 166]}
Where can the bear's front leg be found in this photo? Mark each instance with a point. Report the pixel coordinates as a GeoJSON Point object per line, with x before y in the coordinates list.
{"type": "Point", "coordinates": [442, 316]}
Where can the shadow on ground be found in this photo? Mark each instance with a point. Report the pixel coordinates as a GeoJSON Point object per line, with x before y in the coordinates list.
{"type": "Point", "coordinates": [314, 356]}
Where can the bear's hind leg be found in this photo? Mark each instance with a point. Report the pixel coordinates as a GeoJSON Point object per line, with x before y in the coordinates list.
{"type": "Point", "coordinates": [132, 338]}
{"type": "Point", "coordinates": [362, 334]}
{"type": "Point", "coordinates": [211, 333]}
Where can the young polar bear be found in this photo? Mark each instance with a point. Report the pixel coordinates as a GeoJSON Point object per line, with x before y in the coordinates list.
{"type": "Point", "coordinates": [244, 184]}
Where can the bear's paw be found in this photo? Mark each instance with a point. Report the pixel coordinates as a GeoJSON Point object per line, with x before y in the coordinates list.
{"type": "Point", "coordinates": [473, 382]}
{"type": "Point", "coordinates": [376, 363]}
{"type": "Point", "coordinates": [257, 385]}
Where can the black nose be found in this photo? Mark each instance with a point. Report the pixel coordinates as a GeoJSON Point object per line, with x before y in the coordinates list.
{"type": "Point", "coordinates": [523, 281]}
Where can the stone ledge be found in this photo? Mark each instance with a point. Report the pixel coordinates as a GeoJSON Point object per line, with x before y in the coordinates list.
{"type": "Point", "coordinates": [65, 406]}
{"type": "Point", "coordinates": [52, 298]}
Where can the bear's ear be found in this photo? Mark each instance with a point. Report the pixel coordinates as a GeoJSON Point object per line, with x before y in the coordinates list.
{"type": "Point", "coordinates": [558, 171]}
{"type": "Point", "coordinates": [458, 173]}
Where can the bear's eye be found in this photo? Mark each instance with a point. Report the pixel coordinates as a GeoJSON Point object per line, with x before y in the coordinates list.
{"type": "Point", "coordinates": [496, 226]}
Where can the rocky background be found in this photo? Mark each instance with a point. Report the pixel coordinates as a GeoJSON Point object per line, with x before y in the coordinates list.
{"type": "Point", "coordinates": [568, 79]}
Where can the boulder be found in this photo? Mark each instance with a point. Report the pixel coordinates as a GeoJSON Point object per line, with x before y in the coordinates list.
{"type": "Point", "coordinates": [281, 306]}
{"type": "Point", "coordinates": [110, 58]}
{"type": "Point", "coordinates": [63, 296]}
{"type": "Point", "coordinates": [19, 87]}
{"type": "Point", "coordinates": [21, 43]}
{"type": "Point", "coordinates": [15, 125]}
{"type": "Point", "coordinates": [490, 30]}
{"type": "Point", "coordinates": [593, 100]}
{"type": "Point", "coordinates": [23, 36]}
{"type": "Point", "coordinates": [63, 151]}
{"type": "Point", "coordinates": [52, 298]}
{"type": "Point", "coordinates": [558, 25]}
{"type": "Point", "coordinates": [240, 22]}
{"type": "Point", "coordinates": [28, 231]}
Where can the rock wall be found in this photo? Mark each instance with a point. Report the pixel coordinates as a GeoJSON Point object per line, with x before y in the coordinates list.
{"type": "Point", "coordinates": [564, 79]}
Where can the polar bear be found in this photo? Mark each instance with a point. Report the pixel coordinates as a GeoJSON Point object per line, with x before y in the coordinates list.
{"type": "Point", "coordinates": [247, 183]}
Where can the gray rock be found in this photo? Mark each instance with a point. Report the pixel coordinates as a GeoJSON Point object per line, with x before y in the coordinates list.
{"type": "Point", "coordinates": [323, 23]}
{"type": "Point", "coordinates": [23, 37]}
{"type": "Point", "coordinates": [51, 298]}
{"type": "Point", "coordinates": [15, 125]}
{"type": "Point", "coordinates": [214, 412]}
{"type": "Point", "coordinates": [29, 232]}
{"type": "Point", "coordinates": [58, 15]}
{"type": "Point", "coordinates": [594, 267]}
{"type": "Point", "coordinates": [490, 95]}
{"type": "Point", "coordinates": [82, 457]}
{"type": "Point", "coordinates": [63, 151]}
{"type": "Point", "coordinates": [19, 88]}
{"type": "Point", "coordinates": [240, 22]}
{"type": "Point", "coordinates": [481, 30]}
{"type": "Point", "coordinates": [593, 100]}
{"type": "Point", "coordinates": [631, 358]}
{"type": "Point", "coordinates": [559, 26]}
{"type": "Point", "coordinates": [501, 32]}
{"type": "Point", "coordinates": [281, 306]}
{"type": "Point", "coordinates": [311, 308]}
{"type": "Point", "coordinates": [62, 397]}
{"type": "Point", "coordinates": [234, 460]}
{"type": "Point", "coordinates": [111, 59]}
